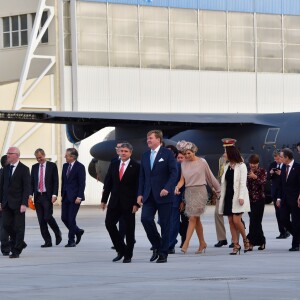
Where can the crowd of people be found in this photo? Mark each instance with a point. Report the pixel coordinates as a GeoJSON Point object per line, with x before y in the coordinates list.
{"type": "Point", "coordinates": [170, 182]}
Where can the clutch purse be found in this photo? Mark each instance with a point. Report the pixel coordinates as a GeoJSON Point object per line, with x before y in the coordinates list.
{"type": "Point", "coordinates": [31, 204]}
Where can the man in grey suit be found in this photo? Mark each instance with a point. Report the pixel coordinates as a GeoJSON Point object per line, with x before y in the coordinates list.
{"type": "Point", "coordinates": [14, 193]}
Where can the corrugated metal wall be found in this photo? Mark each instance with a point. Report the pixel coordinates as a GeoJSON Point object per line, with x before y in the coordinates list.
{"type": "Point", "coordinates": [152, 90]}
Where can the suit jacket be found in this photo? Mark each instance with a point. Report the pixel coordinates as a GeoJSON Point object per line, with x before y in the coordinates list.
{"type": "Point", "coordinates": [73, 186]}
{"type": "Point", "coordinates": [123, 193]}
{"type": "Point", "coordinates": [289, 189]}
{"type": "Point", "coordinates": [275, 180]}
{"type": "Point", "coordinates": [16, 192]}
{"type": "Point", "coordinates": [51, 179]}
{"type": "Point", "coordinates": [162, 176]}
{"type": "Point", "coordinates": [239, 188]}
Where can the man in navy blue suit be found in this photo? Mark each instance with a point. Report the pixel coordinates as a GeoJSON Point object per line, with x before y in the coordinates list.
{"type": "Point", "coordinates": [289, 196]}
{"type": "Point", "coordinates": [157, 180]}
{"type": "Point", "coordinates": [72, 193]}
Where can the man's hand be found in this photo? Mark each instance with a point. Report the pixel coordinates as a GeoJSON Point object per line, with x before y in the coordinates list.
{"type": "Point", "coordinates": [278, 202]}
{"type": "Point", "coordinates": [0, 207]}
{"type": "Point", "coordinates": [181, 206]}
{"type": "Point", "coordinates": [54, 198]}
{"type": "Point", "coordinates": [134, 209]}
{"type": "Point", "coordinates": [102, 205]}
{"type": "Point", "coordinates": [299, 201]}
{"type": "Point", "coordinates": [77, 201]}
{"type": "Point", "coordinates": [140, 200]}
{"type": "Point", "coordinates": [164, 193]}
{"type": "Point", "coordinates": [22, 209]}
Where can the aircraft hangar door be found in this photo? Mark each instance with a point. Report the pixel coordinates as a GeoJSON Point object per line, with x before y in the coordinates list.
{"type": "Point", "coordinates": [269, 146]}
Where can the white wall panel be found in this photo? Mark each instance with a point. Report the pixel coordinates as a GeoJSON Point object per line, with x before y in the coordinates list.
{"type": "Point", "coordinates": [93, 89]}
{"type": "Point", "coordinates": [241, 92]}
{"type": "Point", "coordinates": [291, 92]}
{"type": "Point", "coordinates": [124, 90]}
{"type": "Point", "coordinates": [270, 93]}
{"type": "Point", "coordinates": [184, 91]}
{"type": "Point", "coordinates": [155, 90]}
{"type": "Point", "coordinates": [213, 91]}
{"type": "Point", "coordinates": [67, 105]}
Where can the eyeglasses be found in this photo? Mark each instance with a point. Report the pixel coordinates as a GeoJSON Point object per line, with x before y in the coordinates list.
{"type": "Point", "coordinates": [9, 153]}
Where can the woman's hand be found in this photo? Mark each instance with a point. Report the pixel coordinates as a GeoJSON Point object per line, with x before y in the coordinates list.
{"type": "Point", "coordinates": [241, 201]}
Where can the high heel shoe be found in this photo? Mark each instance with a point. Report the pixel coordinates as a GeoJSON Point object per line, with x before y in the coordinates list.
{"type": "Point", "coordinates": [250, 247]}
{"type": "Point", "coordinates": [246, 245]}
{"type": "Point", "coordinates": [184, 249]}
{"type": "Point", "coordinates": [262, 247]}
{"type": "Point", "coordinates": [201, 249]}
{"type": "Point", "coordinates": [236, 249]}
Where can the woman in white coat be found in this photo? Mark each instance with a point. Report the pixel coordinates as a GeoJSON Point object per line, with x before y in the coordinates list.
{"type": "Point", "coordinates": [234, 200]}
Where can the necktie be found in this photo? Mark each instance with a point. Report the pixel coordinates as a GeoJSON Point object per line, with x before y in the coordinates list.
{"type": "Point", "coordinates": [287, 171]}
{"type": "Point", "coordinates": [69, 170]}
{"type": "Point", "coordinates": [121, 172]}
{"type": "Point", "coordinates": [10, 172]}
{"type": "Point", "coordinates": [152, 158]}
{"type": "Point", "coordinates": [41, 181]}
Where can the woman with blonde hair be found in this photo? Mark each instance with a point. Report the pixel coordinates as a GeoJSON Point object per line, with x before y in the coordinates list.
{"type": "Point", "coordinates": [234, 200]}
{"type": "Point", "coordinates": [195, 175]}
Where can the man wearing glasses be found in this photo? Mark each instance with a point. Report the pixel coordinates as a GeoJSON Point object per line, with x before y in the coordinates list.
{"type": "Point", "coordinates": [14, 193]}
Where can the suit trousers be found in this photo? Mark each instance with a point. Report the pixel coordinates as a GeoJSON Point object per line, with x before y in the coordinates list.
{"type": "Point", "coordinates": [281, 227]}
{"type": "Point", "coordinates": [44, 211]}
{"type": "Point", "coordinates": [69, 212]}
{"type": "Point", "coordinates": [13, 226]}
{"type": "Point", "coordinates": [288, 210]}
{"type": "Point", "coordinates": [174, 227]}
{"type": "Point", "coordinates": [150, 207]}
{"type": "Point", "coordinates": [113, 216]}
{"type": "Point", "coordinates": [219, 223]}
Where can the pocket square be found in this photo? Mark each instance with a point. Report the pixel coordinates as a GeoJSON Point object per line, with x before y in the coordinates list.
{"type": "Point", "coordinates": [161, 160]}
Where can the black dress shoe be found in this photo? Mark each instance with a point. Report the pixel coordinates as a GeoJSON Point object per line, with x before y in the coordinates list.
{"type": "Point", "coordinates": [24, 245]}
{"type": "Point", "coordinates": [14, 255]}
{"type": "Point", "coordinates": [118, 257]}
{"type": "Point", "coordinates": [294, 249]}
{"type": "Point", "coordinates": [162, 259]}
{"type": "Point", "coordinates": [286, 235]}
{"type": "Point", "coordinates": [70, 245]}
{"type": "Point", "coordinates": [154, 255]}
{"type": "Point", "coordinates": [221, 243]}
{"type": "Point", "coordinates": [58, 239]}
{"type": "Point", "coordinates": [171, 251]}
{"type": "Point", "coordinates": [231, 245]}
{"type": "Point", "coordinates": [79, 235]}
{"type": "Point", "coordinates": [126, 260]}
{"type": "Point", "coordinates": [152, 248]}
{"type": "Point", "coordinates": [46, 245]}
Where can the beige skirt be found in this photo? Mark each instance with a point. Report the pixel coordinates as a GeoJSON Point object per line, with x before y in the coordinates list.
{"type": "Point", "coordinates": [196, 198]}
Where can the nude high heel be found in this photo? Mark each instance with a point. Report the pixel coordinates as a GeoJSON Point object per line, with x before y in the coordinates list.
{"type": "Point", "coordinates": [201, 249]}
{"type": "Point", "coordinates": [247, 245]}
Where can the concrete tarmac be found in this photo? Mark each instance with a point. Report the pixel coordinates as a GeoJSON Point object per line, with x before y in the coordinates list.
{"type": "Point", "coordinates": [87, 271]}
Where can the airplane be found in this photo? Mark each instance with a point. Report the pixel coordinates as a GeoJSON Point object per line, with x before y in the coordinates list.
{"type": "Point", "coordinates": [255, 133]}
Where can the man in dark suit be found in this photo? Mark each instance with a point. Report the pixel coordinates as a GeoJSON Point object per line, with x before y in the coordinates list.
{"type": "Point", "coordinates": [289, 196]}
{"type": "Point", "coordinates": [72, 193]}
{"type": "Point", "coordinates": [44, 188]}
{"type": "Point", "coordinates": [157, 182]}
{"type": "Point", "coordinates": [122, 185]}
{"type": "Point", "coordinates": [274, 173]}
{"type": "Point", "coordinates": [3, 164]}
{"type": "Point", "coordinates": [14, 193]}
